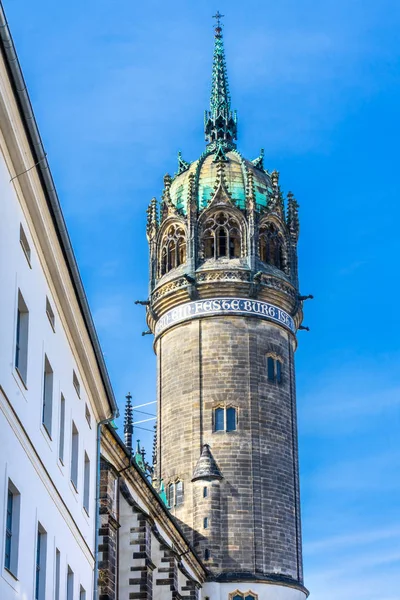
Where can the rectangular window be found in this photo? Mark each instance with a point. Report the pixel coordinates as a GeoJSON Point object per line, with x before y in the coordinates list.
{"type": "Point", "coordinates": [271, 368]}
{"type": "Point", "coordinates": [21, 342]}
{"type": "Point", "coordinates": [219, 419]}
{"type": "Point", "coordinates": [50, 313]}
{"type": "Point", "coordinates": [278, 371]}
{"type": "Point", "coordinates": [82, 593]}
{"type": "Point", "coordinates": [61, 441]}
{"type": "Point", "coordinates": [178, 493]}
{"type": "Point", "coordinates": [12, 529]}
{"type": "Point", "coordinates": [70, 584]}
{"type": "Point", "coordinates": [86, 484]}
{"type": "Point", "coordinates": [74, 455]}
{"type": "Point", "coordinates": [231, 419]}
{"type": "Point", "coordinates": [24, 243]}
{"type": "Point", "coordinates": [76, 383]}
{"type": "Point", "coordinates": [205, 492]}
{"type": "Point", "coordinates": [57, 575]}
{"type": "Point", "coordinates": [47, 396]}
{"type": "Point", "coordinates": [41, 549]}
{"type": "Point", "coordinates": [205, 522]}
{"type": "Point", "coordinates": [88, 416]}
{"type": "Point", "coordinates": [170, 495]}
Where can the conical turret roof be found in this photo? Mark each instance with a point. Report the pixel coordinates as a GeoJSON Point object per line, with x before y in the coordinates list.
{"type": "Point", "coordinates": [206, 467]}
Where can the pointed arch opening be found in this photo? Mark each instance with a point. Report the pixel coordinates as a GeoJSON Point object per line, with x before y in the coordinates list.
{"type": "Point", "coordinates": [221, 236]}
{"type": "Point", "coordinates": [272, 249]}
{"type": "Point", "coordinates": [173, 249]}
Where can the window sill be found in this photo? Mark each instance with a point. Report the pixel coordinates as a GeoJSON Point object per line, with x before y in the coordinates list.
{"type": "Point", "coordinates": [11, 573]}
{"type": "Point", "coordinates": [20, 382]}
{"type": "Point", "coordinates": [74, 486]}
{"type": "Point", "coordinates": [11, 580]}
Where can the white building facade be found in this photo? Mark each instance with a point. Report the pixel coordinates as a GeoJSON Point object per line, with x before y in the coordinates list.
{"type": "Point", "coordinates": [54, 388]}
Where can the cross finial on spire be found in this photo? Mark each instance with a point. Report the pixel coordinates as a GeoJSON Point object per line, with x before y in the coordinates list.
{"type": "Point", "coordinates": [218, 18]}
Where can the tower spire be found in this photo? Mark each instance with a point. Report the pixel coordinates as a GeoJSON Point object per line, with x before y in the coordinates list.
{"type": "Point", "coordinates": [220, 123]}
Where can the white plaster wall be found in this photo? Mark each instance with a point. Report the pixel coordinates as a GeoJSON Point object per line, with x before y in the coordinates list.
{"type": "Point", "coordinates": [264, 591]}
{"type": "Point", "coordinates": [23, 405]}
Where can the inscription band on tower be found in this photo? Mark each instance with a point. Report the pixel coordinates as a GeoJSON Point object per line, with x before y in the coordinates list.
{"type": "Point", "coordinates": [224, 306]}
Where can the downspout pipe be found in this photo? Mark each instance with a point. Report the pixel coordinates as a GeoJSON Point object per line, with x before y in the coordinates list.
{"type": "Point", "coordinates": [97, 509]}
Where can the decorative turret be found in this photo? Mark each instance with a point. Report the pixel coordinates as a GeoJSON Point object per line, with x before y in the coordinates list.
{"type": "Point", "coordinates": [206, 467]}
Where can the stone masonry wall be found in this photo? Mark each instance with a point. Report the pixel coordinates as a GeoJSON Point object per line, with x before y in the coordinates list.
{"type": "Point", "coordinates": [222, 361]}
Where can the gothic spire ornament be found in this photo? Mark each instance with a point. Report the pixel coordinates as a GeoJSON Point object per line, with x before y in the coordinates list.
{"type": "Point", "coordinates": [128, 423]}
{"type": "Point", "coordinates": [220, 123]}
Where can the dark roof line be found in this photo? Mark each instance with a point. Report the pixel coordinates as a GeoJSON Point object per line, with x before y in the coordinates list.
{"type": "Point", "coordinates": [43, 168]}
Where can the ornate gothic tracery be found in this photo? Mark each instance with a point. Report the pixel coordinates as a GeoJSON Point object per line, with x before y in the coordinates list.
{"type": "Point", "coordinates": [221, 236]}
{"type": "Point", "coordinates": [173, 248]}
{"type": "Point", "coordinates": [272, 246]}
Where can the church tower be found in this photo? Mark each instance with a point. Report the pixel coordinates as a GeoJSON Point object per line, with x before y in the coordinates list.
{"type": "Point", "coordinates": [224, 307]}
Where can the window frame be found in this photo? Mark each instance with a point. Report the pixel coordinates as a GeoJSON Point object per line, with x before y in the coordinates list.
{"type": "Point", "coordinates": [74, 471]}
{"type": "Point", "coordinates": [274, 369]}
{"type": "Point", "coordinates": [61, 430]}
{"type": "Point", "coordinates": [225, 428]}
{"type": "Point", "coordinates": [50, 314]}
{"type": "Point", "coordinates": [23, 240]}
{"type": "Point", "coordinates": [40, 563]}
{"type": "Point", "coordinates": [12, 529]}
{"type": "Point", "coordinates": [22, 339]}
{"type": "Point", "coordinates": [47, 397]}
{"type": "Point", "coordinates": [86, 482]}
{"type": "Point", "coordinates": [76, 383]}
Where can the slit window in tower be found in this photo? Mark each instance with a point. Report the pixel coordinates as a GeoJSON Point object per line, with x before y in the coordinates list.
{"type": "Point", "coordinates": [178, 493]}
{"type": "Point", "coordinates": [278, 371]}
{"type": "Point", "coordinates": [219, 419]}
{"type": "Point", "coordinates": [205, 492]}
{"type": "Point", "coordinates": [231, 419]}
{"type": "Point", "coordinates": [274, 369]}
{"type": "Point", "coordinates": [271, 368]}
{"type": "Point", "coordinates": [205, 523]}
{"type": "Point", "coordinates": [206, 554]}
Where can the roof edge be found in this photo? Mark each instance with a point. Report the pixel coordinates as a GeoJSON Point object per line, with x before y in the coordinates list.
{"type": "Point", "coordinates": [43, 168]}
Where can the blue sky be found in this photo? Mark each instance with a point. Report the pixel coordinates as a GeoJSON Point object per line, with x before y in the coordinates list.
{"type": "Point", "coordinates": [118, 88]}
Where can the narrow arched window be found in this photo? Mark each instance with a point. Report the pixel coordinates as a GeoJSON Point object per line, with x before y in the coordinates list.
{"type": "Point", "coordinates": [221, 237]}
{"type": "Point", "coordinates": [271, 246]}
{"type": "Point", "coordinates": [173, 249]}
{"type": "Point", "coordinates": [274, 369]}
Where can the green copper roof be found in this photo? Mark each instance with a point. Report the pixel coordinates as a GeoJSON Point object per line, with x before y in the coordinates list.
{"type": "Point", "coordinates": [205, 172]}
